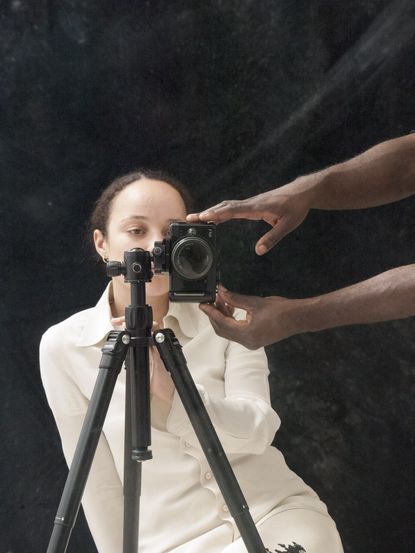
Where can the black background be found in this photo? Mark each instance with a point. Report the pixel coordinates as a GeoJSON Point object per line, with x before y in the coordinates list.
{"type": "Point", "coordinates": [233, 97]}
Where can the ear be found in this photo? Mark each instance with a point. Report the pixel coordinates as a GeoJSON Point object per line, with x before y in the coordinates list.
{"type": "Point", "coordinates": [100, 243]}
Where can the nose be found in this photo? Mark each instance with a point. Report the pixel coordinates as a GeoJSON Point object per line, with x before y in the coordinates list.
{"type": "Point", "coordinates": [151, 238]}
{"type": "Point", "coordinates": [154, 237]}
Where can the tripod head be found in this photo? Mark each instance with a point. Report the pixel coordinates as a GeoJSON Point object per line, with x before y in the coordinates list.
{"type": "Point", "coordinates": [136, 266]}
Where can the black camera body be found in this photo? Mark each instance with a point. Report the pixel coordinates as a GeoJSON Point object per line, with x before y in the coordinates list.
{"type": "Point", "coordinates": [189, 256]}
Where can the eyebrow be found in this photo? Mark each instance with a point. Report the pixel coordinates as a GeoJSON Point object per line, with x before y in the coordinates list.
{"type": "Point", "coordinates": [145, 218]}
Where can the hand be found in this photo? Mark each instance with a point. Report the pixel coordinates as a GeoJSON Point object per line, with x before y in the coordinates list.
{"type": "Point", "coordinates": [284, 208]}
{"type": "Point", "coordinates": [221, 305]}
{"type": "Point", "coordinates": [268, 320]}
{"type": "Point", "coordinates": [118, 322]}
{"type": "Point", "coordinates": [161, 384]}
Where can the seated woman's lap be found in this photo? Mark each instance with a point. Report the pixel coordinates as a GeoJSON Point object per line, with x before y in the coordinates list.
{"type": "Point", "coordinates": [295, 531]}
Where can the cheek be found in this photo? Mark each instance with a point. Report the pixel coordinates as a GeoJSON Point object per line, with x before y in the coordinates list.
{"type": "Point", "coordinates": [120, 243]}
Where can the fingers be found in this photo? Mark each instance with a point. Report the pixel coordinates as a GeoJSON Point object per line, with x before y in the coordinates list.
{"type": "Point", "coordinates": [194, 217]}
{"type": "Point", "coordinates": [229, 209]}
{"type": "Point", "coordinates": [223, 307]}
{"type": "Point", "coordinates": [236, 300]}
{"type": "Point", "coordinates": [118, 321]}
{"type": "Point", "coordinates": [224, 326]}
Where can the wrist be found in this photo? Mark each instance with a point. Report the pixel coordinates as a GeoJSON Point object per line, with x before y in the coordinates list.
{"type": "Point", "coordinates": [312, 315]}
{"type": "Point", "coordinates": [312, 187]}
{"type": "Point", "coordinates": [297, 316]}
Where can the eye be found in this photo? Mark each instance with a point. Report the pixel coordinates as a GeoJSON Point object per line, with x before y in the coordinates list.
{"type": "Point", "coordinates": [138, 231]}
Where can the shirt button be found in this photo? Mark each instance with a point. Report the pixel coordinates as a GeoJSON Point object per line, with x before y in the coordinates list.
{"type": "Point", "coordinates": [186, 444]}
{"type": "Point", "coordinates": [225, 508]}
{"type": "Point", "coordinates": [208, 475]}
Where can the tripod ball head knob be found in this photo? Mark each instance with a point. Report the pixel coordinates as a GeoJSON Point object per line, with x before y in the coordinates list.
{"type": "Point", "coordinates": [115, 268]}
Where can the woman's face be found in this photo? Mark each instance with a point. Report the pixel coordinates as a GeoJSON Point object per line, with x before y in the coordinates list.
{"type": "Point", "coordinates": [139, 216]}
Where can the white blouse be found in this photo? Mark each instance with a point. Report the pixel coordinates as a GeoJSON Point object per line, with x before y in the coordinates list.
{"type": "Point", "coordinates": [180, 498]}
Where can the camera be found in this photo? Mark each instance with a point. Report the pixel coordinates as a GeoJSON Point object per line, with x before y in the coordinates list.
{"type": "Point", "coordinates": [189, 255]}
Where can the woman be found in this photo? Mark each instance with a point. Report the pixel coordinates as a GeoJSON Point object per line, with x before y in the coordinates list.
{"type": "Point", "coordinates": [182, 509]}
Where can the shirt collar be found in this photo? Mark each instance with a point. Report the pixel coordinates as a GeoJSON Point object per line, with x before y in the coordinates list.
{"type": "Point", "coordinates": [97, 323]}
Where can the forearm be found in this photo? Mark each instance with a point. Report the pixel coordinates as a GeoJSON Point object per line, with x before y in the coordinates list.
{"type": "Point", "coordinates": [388, 296]}
{"type": "Point", "coordinates": [234, 389]}
{"type": "Point", "coordinates": [380, 175]}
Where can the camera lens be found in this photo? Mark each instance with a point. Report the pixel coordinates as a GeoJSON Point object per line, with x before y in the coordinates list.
{"type": "Point", "coordinates": [192, 258]}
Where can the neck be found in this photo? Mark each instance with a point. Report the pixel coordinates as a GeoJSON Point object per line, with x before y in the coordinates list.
{"type": "Point", "coordinates": [160, 306]}
{"type": "Point", "coordinates": [120, 297]}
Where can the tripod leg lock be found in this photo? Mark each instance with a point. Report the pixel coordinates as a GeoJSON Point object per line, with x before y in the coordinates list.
{"type": "Point", "coordinates": [114, 350]}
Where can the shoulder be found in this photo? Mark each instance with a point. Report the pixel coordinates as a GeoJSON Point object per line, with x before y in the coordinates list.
{"type": "Point", "coordinates": [86, 327]}
{"type": "Point", "coordinates": [66, 332]}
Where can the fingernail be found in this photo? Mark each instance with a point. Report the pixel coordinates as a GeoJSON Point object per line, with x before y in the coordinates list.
{"type": "Point", "coordinates": [261, 249]}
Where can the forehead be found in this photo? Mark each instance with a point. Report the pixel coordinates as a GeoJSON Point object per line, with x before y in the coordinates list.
{"type": "Point", "coordinates": [149, 197]}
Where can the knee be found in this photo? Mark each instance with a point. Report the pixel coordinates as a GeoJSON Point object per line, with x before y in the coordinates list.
{"type": "Point", "coordinates": [300, 531]}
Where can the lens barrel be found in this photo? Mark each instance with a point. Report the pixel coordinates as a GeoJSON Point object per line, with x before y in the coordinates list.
{"type": "Point", "coordinates": [192, 257]}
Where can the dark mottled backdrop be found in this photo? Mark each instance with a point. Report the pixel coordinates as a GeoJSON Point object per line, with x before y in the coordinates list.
{"type": "Point", "coordinates": [233, 97]}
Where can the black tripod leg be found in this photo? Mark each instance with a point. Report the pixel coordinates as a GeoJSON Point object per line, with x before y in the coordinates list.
{"type": "Point", "coordinates": [113, 355]}
{"type": "Point", "coordinates": [171, 353]}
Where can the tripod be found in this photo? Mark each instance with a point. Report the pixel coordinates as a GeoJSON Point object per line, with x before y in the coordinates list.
{"type": "Point", "coordinates": [135, 341]}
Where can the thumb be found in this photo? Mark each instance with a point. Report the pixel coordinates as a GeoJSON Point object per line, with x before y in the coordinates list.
{"type": "Point", "coordinates": [272, 237]}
